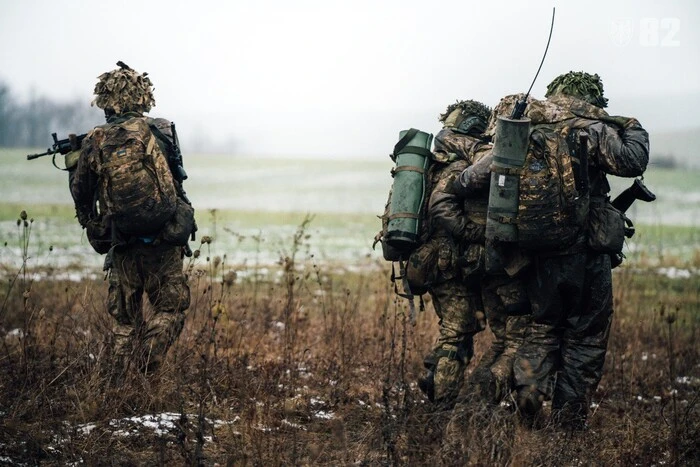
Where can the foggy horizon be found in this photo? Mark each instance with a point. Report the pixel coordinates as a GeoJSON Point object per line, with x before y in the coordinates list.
{"type": "Point", "coordinates": [333, 79]}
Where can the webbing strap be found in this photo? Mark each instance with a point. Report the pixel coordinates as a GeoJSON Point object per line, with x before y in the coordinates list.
{"type": "Point", "coordinates": [449, 354]}
{"type": "Point", "coordinates": [407, 168]}
{"type": "Point", "coordinates": [403, 215]}
{"type": "Point", "coordinates": [404, 141]}
{"type": "Point", "coordinates": [151, 144]}
{"type": "Point", "coordinates": [415, 150]}
{"type": "Point", "coordinates": [407, 288]}
{"type": "Point", "coordinates": [502, 219]}
{"type": "Point", "coordinates": [504, 160]}
{"type": "Point", "coordinates": [505, 170]}
{"type": "Point", "coordinates": [402, 146]}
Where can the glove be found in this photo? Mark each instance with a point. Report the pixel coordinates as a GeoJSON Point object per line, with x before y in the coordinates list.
{"type": "Point", "coordinates": [476, 178]}
{"type": "Point", "coordinates": [623, 122]}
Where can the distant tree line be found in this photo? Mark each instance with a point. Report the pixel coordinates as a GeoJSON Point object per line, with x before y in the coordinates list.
{"type": "Point", "coordinates": [30, 123]}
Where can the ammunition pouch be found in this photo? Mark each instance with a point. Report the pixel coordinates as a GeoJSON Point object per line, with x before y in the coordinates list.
{"type": "Point", "coordinates": [99, 234]}
{"type": "Point", "coordinates": [472, 262]}
{"type": "Point", "coordinates": [422, 267]}
{"type": "Point", "coordinates": [607, 227]}
{"type": "Point", "coordinates": [180, 226]}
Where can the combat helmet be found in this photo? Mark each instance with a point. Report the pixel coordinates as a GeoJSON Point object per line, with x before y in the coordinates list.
{"type": "Point", "coordinates": [124, 90]}
{"type": "Point", "coordinates": [581, 85]}
{"type": "Point", "coordinates": [466, 117]}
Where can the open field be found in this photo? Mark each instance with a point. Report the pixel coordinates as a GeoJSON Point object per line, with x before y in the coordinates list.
{"type": "Point", "coordinates": [296, 350]}
{"type": "Point", "coordinates": [250, 205]}
{"type": "Point", "coordinates": [313, 365]}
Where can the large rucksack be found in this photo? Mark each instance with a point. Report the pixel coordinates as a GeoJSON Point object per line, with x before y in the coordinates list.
{"type": "Point", "coordinates": [553, 187]}
{"type": "Point", "coordinates": [136, 188]}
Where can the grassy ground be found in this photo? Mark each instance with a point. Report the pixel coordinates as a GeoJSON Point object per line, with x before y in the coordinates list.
{"type": "Point", "coordinates": [296, 350]}
{"type": "Point", "coordinates": [314, 363]}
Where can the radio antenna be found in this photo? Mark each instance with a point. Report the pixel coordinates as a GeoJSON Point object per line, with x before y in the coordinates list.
{"type": "Point", "coordinates": [519, 108]}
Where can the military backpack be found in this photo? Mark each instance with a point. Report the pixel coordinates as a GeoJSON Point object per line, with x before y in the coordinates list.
{"type": "Point", "coordinates": [136, 187]}
{"type": "Point", "coordinates": [553, 188]}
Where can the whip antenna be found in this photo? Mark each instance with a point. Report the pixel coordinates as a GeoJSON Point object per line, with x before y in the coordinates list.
{"type": "Point", "coordinates": [519, 109]}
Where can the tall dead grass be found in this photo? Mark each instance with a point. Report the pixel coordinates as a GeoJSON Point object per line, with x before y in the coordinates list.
{"type": "Point", "coordinates": [301, 366]}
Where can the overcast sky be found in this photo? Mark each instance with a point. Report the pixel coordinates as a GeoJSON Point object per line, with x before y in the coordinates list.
{"type": "Point", "coordinates": [340, 78]}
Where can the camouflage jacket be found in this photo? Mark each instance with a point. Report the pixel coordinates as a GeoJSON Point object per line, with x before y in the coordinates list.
{"type": "Point", "coordinates": [448, 212]}
{"type": "Point", "coordinates": [84, 180]}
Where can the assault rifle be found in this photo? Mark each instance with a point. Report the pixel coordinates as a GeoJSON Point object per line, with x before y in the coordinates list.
{"type": "Point", "coordinates": [637, 191]}
{"type": "Point", "coordinates": [61, 146]}
{"type": "Point", "coordinates": [176, 158]}
{"type": "Point", "coordinates": [174, 154]}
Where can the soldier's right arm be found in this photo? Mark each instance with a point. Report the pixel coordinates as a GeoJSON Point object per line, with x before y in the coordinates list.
{"type": "Point", "coordinates": [446, 208]}
{"type": "Point", "coordinates": [619, 150]}
{"type": "Point", "coordinates": [84, 182]}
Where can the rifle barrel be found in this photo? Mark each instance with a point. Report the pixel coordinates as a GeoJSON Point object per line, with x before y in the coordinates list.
{"type": "Point", "coordinates": [36, 156]}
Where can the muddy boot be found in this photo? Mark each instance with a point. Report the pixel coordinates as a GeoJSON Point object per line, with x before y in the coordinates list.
{"type": "Point", "coordinates": [448, 376]}
{"type": "Point", "coordinates": [530, 401]}
{"type": "Point", "coordinates": [426, 383]}
{"type": "Point", "coordinates": [123, 338]}
{"type": "Point", "coordinates": [163, 329]}
{"type": "Point", "coordinates": [501, 371]}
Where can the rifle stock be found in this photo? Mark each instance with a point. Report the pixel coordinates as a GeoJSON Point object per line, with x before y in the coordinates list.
{"type": "Point", "coordinates": [637, 191]}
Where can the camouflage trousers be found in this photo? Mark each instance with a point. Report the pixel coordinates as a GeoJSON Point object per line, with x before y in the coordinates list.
{"type": "Point", "coordinates": [564, 352]}
{"type": "Point", "coordinates": [507, 311]}
{"type": "Point", "coordinates": [456, 305]}
{"type": "Point", "coordinates": [156, 271]}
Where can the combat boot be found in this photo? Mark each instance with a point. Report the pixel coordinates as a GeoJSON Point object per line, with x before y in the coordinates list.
{"type": "Point", "coordinates": [448, 375]}
{"type": "Point", "coordinates": [530, 401]}
{"type": "Point", "coordinates": [426, 383]}
{"type": "Point", "coordinates": [163, 329]}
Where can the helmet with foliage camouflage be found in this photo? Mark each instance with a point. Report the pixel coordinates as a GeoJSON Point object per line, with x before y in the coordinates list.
{"type": "Point", "coordinates": [467, 117]}
{"type": "Point", "coordinates": [124, 90]}
{"type": "Point", "coordinates": [581, 85]}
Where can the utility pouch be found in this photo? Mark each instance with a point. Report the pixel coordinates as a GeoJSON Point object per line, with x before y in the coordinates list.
{"type": "Point", "coordinates": [99, 235]}
{"type": "Point", "coordinates": [422, 266]}
{"type": "Point", "coordinates": [471, 264]}
{"type": "Point", "coordinates": [607, 227]}
{"type": "Point", "coordinates": [179, 227]}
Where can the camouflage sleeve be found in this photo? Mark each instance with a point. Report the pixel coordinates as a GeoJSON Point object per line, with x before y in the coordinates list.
{"type": "Point", "coordinates": [83, 181]}
{"type": "Point", "coordinates": [621, 151]}
{"type": "Point", "coordinates": [451, 142]}
{"type": "Point", "coordinates": [445, 208]}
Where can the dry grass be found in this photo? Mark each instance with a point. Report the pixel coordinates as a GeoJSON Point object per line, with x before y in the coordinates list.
{"type": "Point", "coordinates": [304, 367]}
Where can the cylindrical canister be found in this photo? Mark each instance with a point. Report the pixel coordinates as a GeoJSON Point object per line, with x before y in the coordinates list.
{"type": "Point", "coordinates": [412, 157]}
{"type": "Point", "coordinates": [509, 150]}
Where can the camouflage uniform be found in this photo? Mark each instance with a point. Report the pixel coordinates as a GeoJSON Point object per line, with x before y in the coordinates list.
{"type": "Point", "coordinates": [499, 299]}
{"type": "Point", "coordinates": [571, 290]}
{"type": "Point", "coordinates": [504, 298]}
{"type": "Point", "coordinates": [136, 264]}
{"type": "Point", "coordinates": [457, 301]}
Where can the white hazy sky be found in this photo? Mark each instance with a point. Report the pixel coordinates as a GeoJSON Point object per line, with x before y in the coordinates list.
{"type": "Point", "coordinates": [338, 78]}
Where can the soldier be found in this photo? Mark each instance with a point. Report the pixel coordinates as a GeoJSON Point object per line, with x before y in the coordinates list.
{"type": "Point", "coordinates": [570, 290]}
{"type": "Point", "coordinates": [139, 216]}
{"type": "Point", "coordinates": [440, 260]}
{"type": "Point", "coordinates": [503, 295]}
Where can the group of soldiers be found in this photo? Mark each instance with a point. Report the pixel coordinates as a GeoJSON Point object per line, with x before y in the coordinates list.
{"type": "Point", "coordinates": [550, 311]}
